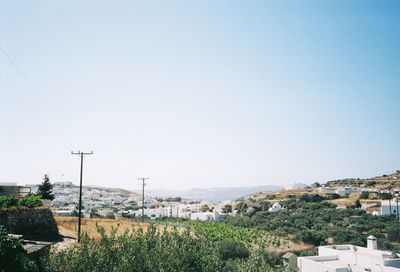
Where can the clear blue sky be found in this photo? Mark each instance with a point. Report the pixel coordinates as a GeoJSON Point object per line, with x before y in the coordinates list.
{"type": "Point", "coordinates": [199, 93]}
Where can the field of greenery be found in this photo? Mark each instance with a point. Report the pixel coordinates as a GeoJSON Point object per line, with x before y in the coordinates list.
{"type": "Point", "coordinates": [153, 249]}
{"type": "Point", "coordinates": [216, 232]}
{"type": "Point", "coordinates": [313, 220]}
{"type": "Point", "coordinates": [162, 250]}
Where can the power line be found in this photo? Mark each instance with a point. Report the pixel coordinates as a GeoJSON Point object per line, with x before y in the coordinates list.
{"type": "Point", "coordinates": [81, 154]}
{"type": "Point", "coordinates": [19, 97]}
{"type": "Point", "coordinates": [143, 184]}
{"type": "Point", "coordinates": [18, 106]}
{"type": "Point", "coordinates": [31, 113]}
{"type": "Point", "coordinates": [33, 86]}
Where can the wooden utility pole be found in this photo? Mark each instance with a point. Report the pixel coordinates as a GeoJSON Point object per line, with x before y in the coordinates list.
{"type": "Point", "coordinates": [143, 184]}
{"type": "Point", "coordinates": [81, 154]}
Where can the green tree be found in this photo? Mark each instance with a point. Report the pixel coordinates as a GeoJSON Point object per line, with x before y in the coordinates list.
{"type": "Point", "coordinates": [227, 208]}
{"type": "Point", "coordinates": [46, 189]}
{"type": "Point", "coordinates": [393, 232]}
{"type": "Point", "coordinates": [205, 208]}
{"type": "Point", "coordinates": [364, 195]}
{"type": "Point", "coordinates": [232, 249]}
{"type": "Point", "coordinates": [316, 185]}
{"type": "Point", "coordinates": [358, 204]}
{"type": "Point", "coordinates": [241, 207]}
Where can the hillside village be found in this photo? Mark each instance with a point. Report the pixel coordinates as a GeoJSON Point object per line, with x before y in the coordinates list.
{"type": "Point", "coordinates": [376, 195]}
{"type": "Point", "coordinates": [306, 223]}
{"type": "Point", "coordinates": [373, 195]}
{"type": "Point", "coordinates": [118, 203]}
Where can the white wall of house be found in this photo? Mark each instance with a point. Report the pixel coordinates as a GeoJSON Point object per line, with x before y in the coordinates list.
{"type": "Point", "coordinates": [386, 208]}
{"type": "Point", "coordinates": [340, 258]}
{"type": "Point", "coordinates": [205, 216]}
{"type": "Point", "coordinates": [156, 213]}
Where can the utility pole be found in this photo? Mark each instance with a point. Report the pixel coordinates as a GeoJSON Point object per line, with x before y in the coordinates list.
{"type": "Point", "coordinates": [81, 154]}
{"type": "Point", "coordinates": [143, 184]}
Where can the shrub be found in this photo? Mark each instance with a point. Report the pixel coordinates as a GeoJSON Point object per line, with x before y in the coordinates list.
{"type": "Point", "coordinates": [393, 231]}
{"type": "Point", "coordinates": [12, 254]}
{"type": "Point", "coordinates": [260, 261]}
{"type": "Point", "coordinates": [232, 250]}
{"type": "Point", "coordinates": [364, 195]}
{"type": "Point", "coordinates": [30, 201]}
{"type": "Point", "coordinates": [156, 249]}
{"type": "Point", "coordinates": [310, 237]}
{"type": "Point", "coordinates": [6, 202]}
{"type": "Point", "coordinates": [139, 250]}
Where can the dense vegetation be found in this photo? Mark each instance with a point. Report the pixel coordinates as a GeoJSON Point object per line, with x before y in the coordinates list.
{"type": "Point", "coordinates": [29, 201]}
{"type": "Point", "coordinates": [224, 232]}
{"type": "Point", "coordinates": [12, 254]}
{"type": "Point", "coordinates": [161, 250]}
{"type": "Point", "coordinates": [313, 220]}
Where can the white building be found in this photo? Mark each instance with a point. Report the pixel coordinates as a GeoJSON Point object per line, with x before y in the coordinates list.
{"type": "Point", "coordinates": [205, 216]}
{"type": "Point", "coordinates": [342, 191]}
{"type": "Point", "coordinates": [297, 186]}
{"type": "Point", "coordinates": [275, 208]}
{"type": "Point", "coordinates": [349, 258]}
{"type": "Point", "coordinates": [63, 212]}
{"type": "Point", "coordinates": [391, 207]}
{"type": "Point", "coordinates": [156, 213]}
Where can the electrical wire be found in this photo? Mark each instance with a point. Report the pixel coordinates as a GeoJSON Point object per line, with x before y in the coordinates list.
{"type": "Point", "coordinates": [33, 86]}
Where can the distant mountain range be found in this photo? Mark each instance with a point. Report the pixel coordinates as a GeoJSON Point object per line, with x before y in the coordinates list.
{"type": "Point", "coordinates": [217, 194]}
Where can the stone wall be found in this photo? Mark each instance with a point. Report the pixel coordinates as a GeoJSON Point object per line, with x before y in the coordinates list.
{"type": "Point", "coordinates": [33, 224]}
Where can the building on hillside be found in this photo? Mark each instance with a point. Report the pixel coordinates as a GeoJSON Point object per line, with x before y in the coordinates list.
{"type": "Point", "coordinates": [349, 258]}
{"type": "Point", "coordinates": [64, 212]}
{"type": "Point", "coordinates": [391, 207]}
{"type": "Point", "coordinates": [68, 184]}
{"type": "Point", "coordinates": [12, 189]}
{"type": "Point", "coordinates": [275, 208]}
{"type": "Point", "coordinates": [342, 191]}
{"type": "Point", "coordinates": [297, 186]}
{"type": "Point", "coordinates": [156, 213]}
{"type": "Point", "coordinates": [205, 216]}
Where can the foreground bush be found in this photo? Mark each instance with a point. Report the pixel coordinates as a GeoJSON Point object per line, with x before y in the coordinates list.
{"type": "Point", "coordinates": [12, 254]}
{"type": "Point", "coordinates": [139, 251]}
{"type": "Point", "coordinates": [6, 201]}
{"type": "Point", "coordinates": [156, 250]}
{"type": "Point", "coordinates": [30, 201]}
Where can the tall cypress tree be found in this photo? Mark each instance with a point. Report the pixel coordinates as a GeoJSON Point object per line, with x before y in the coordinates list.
{"type": "Point", "coordinates": [46, 189]}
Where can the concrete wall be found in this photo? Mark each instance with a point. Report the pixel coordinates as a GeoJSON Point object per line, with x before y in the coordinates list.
{"type": "Point", "coordinates": [385, 208]}
{"type": "Point", "coordinates": [308, 264]}
{"type": "Point", "coordinates": [33, 224]}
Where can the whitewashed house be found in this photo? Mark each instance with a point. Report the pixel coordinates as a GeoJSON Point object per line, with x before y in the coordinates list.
{"type": "Point", "coordinates": [205, 216]}
{"type": "Point", "coordinates": [156, 213]}
{"type": "Point", "coordinates": [391, 207]}
{"type": "Point", "coordinates": [275, 208]}
{"type": "Point", "coordinates": [349, 258]}
{"type": "Point", "coordinates": [63, 212]}
{"type": "Point", "coordinates": [297, 186]}
{"type": "Point", "coordinates": [342, 191]}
